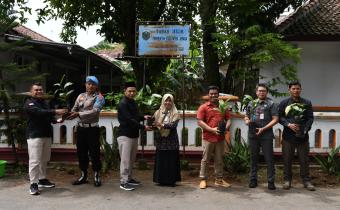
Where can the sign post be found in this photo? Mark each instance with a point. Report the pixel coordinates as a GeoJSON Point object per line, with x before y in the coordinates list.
{"type": "Point", "coordinates": [164, 40]}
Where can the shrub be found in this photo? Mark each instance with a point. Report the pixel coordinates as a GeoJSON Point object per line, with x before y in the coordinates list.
{"type": "Point", "coordinates": [237, 160]}
{"type": "Point", "coordinates": [330, 164]}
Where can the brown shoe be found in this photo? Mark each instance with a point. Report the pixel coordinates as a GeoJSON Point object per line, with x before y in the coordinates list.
{"type": "Point", "coordinates": [203, 184]}
{"type": "Point", "coordinates": [222, 183]}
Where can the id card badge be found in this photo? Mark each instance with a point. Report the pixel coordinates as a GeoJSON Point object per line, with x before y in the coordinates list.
{"type": "Point", "coordinates": [262, 116]}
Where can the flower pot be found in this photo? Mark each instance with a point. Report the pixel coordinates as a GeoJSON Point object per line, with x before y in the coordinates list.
{"type": "Point", "coordinates": [301, 132]}
{"type": "Point", "coordinates": [150, 121]}
{"type": "Point", "coordinates": [252, 127]}
{"type": "Point", "coordinates": [221, 127]}
{"type": "Point", "coordinates": [2, 167]}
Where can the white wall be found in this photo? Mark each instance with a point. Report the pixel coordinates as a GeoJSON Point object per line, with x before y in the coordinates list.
{"type": "Point", "coordinates": [319, 72]}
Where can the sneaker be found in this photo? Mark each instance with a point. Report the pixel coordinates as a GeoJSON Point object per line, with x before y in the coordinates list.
{"type": "Point", "coordinates": [203, 184]}
{"type": "Point", "coordinates": [45, 183]}
{"type": "Point", "coordinates": [252, 184]}
{"type": "Point", "coordinates": [286, 185]}
{"type": "Point", "coordinates": [97, 181]}
{"type": "Point", "coordinates": [271, 186]}
{"type": "Point", "coordinates": [309, 186]}
{"type": "Point", "coordinates": [82, 179]}
{"type": "Point", "coordinates": [222, 183]}
{"type": "Point", "coordinates": [133, 182]}
{"type": "Point", "coordinates": [126, 186]}
{"type": "Point", "coordinates": [34, 190]}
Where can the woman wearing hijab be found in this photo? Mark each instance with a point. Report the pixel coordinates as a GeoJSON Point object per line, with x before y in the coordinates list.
{"type": "Point", "coordinates": [167, 164]}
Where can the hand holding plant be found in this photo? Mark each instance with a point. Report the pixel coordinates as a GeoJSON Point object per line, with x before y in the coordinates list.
{"type": "Point", "coordinates": [296, 110]}
{"type": "Point", "coordinates": [222, 108]}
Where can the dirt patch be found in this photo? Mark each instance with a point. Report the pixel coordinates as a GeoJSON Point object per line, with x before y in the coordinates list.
{"type": "Point", "coordinates": [66, 173]}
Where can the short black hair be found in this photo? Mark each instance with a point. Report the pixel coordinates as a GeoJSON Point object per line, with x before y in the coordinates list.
{"type": "Point", "coordinates": [36, 84]}
{"type": "Point", "coordinates": [262, 85]}
{"type": "Point", "coordinates": [213, 87]}
{"type": "Point", "coordinates": [290, 84]}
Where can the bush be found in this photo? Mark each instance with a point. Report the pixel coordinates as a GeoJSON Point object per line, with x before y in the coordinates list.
{"type": "Point", "coordinates": [238, 158]}
{"type": "Point", "coordinates": [330, 164]}
{"type": "Point", "coordinates": [111, 152]}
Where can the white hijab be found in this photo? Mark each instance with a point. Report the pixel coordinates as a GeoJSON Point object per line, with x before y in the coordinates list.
{"type": "Point", "coordinates": [163, 112]}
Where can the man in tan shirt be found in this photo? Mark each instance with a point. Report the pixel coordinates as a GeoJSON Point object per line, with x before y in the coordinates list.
{"type": "Point", "coordinates": [87, 108]}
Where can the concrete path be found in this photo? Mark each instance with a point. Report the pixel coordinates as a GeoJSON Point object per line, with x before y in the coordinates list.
{"type": "Point", "coordinates": [14, 195]}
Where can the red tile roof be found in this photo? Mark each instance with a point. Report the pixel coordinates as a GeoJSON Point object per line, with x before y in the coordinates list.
{"type": "Point", "coordinates": [26, 32]}
{"type": "Point", "coordinates": [316, 18]}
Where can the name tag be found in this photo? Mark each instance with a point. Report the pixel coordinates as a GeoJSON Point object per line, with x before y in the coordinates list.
{"type": "Point", "coordinates": [262, 116]}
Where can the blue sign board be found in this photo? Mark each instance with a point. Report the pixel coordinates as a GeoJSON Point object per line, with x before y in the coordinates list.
{"type": "Point", "coordinates": [163, 40]}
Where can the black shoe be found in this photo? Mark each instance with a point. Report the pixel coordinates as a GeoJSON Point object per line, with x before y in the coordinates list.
{"type": "Point", "coordinates": [82, 179]}
{"type": "Point", "coordinates": [126, 186]}
{"type": "Point", "coordinates": [252, 184]}
{"type": "Point", "coordinates": [97, 181]}
{"type": "Point", "coordinates": [133, 182]}
{"type": "Point", "coordinates": [271, 186]}
{"type": "Point", "coordinates": [34, 190]}
{"type": "Point", "coordinates": [45, 183]}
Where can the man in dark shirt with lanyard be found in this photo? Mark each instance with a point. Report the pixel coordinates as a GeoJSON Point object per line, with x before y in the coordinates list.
{"type": "Point", "coordinates": [291, 141]}
{"type": "Point", "coordinates": [129, 125]}
{"type": "Point", "coordinates": [261, 116]}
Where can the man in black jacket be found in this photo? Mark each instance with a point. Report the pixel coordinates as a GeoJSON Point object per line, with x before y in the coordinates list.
{"type": "Point", "coordinates": [129, 126]}
{"type": "Point", "coordinates": [295, 135]}
{"type": "Point", "coordinates": [39, 137]}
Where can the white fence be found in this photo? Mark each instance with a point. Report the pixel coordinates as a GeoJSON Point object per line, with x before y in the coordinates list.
{"type": "Point", "coordinates": [324, 134]}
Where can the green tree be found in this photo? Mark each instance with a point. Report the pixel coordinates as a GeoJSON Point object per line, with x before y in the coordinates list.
{"type": "Point", "coordinates": [244, 20]}
{"type": "Point", "coordinates": [117, 20]}
{"type": "Point", "coordinates": [7, 84]}
{"type": "Point", "coordinates": [254, 50]}
{"type": "Point", "coordinates": [11, 74]}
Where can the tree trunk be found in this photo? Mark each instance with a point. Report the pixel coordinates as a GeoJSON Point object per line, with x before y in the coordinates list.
{"type": "Point", "coordinates": [251, 81]}
{"type": "Point", "coordinates": [207, 10]}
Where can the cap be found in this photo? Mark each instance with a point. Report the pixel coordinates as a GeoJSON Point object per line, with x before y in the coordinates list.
{"type": "Point", "coordinates": [92, 79]}
{"type": "Point", "coordinates": [130, 84]}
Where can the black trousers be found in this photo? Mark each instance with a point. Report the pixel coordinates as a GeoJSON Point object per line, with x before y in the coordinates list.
{"type": "Point", "coordinates": [267, 150]}
{"type": "Point", "coordinates": [88, 144]}
{"type": "Point", "coordinates": [288, 150]}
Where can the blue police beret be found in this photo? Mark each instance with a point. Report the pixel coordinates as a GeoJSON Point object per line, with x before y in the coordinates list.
{"type": "Point", "coordinates": [92, 79]}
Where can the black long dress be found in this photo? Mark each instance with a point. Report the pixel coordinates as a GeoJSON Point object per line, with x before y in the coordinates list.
{"type": "Point", "coordinates": [167, 163]}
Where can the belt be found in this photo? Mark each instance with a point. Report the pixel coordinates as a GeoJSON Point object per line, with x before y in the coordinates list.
{"type": "Point", "coordinates": [88, 125]}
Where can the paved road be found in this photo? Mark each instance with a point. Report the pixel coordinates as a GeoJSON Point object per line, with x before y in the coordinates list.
{"type": "Point", "coordinates": [14, 195]}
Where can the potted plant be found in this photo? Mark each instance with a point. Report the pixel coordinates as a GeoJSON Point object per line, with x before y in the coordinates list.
{"type": "Point", "coordinates": [222, 108]}
{"type": "Point", "coordinates": [249, 101]}
{"type": "Point", "coordinates": [62, 95]}
{"type": "Point", "coordinates": [296, 110]}
{"type": "Point", "coordinates": [63, 92]}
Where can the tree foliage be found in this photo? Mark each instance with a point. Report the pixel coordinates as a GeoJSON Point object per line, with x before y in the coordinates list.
{"type": "Point", "coordinates": [244, 28]}
{"type": "Point", "coordinates": [14, 126]}
{"type": "Point", "coordinates": [117, 20]}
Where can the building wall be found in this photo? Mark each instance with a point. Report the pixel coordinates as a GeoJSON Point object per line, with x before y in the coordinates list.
{"type": "Point", "coordinates": [319, 72]}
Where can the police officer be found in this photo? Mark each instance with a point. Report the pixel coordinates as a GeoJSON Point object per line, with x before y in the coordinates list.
{"type": "Point", "coordinates": [87, 108]}
{"type": "Point", "coordinates": [39, 137]}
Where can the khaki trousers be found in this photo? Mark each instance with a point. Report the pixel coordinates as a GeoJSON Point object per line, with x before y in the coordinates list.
{"type": "Point", "coordinates": [39, 152]}
{"type": "Point", "coordinates": [127, 151]}
{"type": "Point", "coordinates": [209, 149]}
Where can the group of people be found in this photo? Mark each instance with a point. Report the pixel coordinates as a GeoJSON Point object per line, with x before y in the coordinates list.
{"type": "Point", "coordinates": [265, 114]}
{"type": "Point", "coordinates": [261, 116]}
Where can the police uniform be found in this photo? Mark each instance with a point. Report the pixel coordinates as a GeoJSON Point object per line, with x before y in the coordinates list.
{"type": "Point", "coordinates": [88, 133]}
